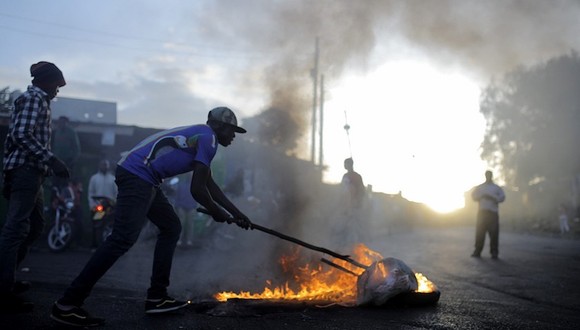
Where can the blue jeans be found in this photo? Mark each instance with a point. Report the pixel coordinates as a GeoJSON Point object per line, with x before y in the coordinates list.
{"type": "Point", "coordinates": [24, 220]}
{"type": "Point", "coordinates": [137, 200]}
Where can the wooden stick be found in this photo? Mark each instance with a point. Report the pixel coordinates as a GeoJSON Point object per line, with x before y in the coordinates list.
{"type": "Point", "coordinates": [326, 261]}
{"type": "Point", "coordinates": [297, 241]}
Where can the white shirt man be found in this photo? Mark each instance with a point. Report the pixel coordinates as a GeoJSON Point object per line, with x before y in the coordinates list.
{"type": "Point", "coordinates": [102, 183]}
{"type": "Point", "coordinates": [489, 195]}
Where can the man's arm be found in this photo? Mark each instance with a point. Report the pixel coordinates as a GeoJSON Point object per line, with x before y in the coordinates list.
{"type": "Point", "coordinates": [207, 193]}
{"type": "Point", "coordinates": [24, 125]}
{"type": "Point", "coordinates": [500, 195]}
{"type": "Point", "coordinates": [218, 195]}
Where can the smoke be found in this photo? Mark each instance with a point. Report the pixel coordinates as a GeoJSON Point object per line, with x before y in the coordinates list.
{"type": "Point", "coordinates": [491, 36]}
{"type": "Point", "coordinates": [483, 38]}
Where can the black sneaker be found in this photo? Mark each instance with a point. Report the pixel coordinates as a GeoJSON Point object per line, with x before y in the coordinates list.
{"type": "Point", "coordinates": [167, 304]}
{"type": "Point", "coordinates": [10, 303]}
{"type": "Point", "coordinates": [76, 317]}
{"type": "Point", "coordinates": [21, 286]}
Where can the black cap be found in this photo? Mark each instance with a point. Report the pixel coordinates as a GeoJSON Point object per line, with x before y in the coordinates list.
{"type": "Point", "coordinates": [46, 72]}
{"type": "Point", "coordinates": [225, 115]}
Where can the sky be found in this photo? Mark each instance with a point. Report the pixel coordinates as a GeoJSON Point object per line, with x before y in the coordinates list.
{"type": "Point", "coordinates": [405, 75]}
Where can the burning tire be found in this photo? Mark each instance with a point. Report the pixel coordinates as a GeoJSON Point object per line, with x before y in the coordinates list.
{"type": "Point", "coordinates": [414, 299]}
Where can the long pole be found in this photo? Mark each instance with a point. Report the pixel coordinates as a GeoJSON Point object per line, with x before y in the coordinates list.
{"type": "Point", "coordinates": [347, 128]}
{"type": "Point", "coordinates": [321, 125]}
{"type": "Point", "coordinates": [296, 241]}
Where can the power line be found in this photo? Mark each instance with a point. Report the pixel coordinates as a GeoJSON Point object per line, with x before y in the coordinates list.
{"type": "Point", "coordinates": [215, 52]}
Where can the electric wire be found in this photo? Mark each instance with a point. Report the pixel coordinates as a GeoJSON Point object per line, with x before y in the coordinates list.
{"type": "Point", "coordinates": [191, 49]}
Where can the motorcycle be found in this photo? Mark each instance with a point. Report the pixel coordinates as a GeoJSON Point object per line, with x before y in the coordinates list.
{"type": "Point", "coordinates": [62, 231]}
{"type": "Point", "coordinates": [103, 217]}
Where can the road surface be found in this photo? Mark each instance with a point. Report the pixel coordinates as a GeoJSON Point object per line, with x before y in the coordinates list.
{"type": "Point", "coordinates": [534, 285]}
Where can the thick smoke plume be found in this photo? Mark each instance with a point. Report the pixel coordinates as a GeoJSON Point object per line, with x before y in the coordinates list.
{"type": "Point", "coordinates": [484, 38]}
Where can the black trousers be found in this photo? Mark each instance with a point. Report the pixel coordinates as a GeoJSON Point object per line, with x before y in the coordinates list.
{"type": "Point", "coordinates": [487, 222]}
{"type": "Point", "coordinates": [24, 220]}
{"type": "Point", "coordinates": [137, 201]}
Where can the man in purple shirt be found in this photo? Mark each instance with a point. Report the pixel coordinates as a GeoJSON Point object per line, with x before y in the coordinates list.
{"type": "Point", "coordinates": [27, 161]}
{"type": "Point", "coordinates": [139, 175]}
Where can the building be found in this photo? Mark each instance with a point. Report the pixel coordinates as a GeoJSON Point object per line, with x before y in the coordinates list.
{"type": "Point", "coordinates": [85, 111]}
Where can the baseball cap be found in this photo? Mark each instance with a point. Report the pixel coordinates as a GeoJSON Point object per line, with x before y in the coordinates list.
{"type": "Point", "coordinates": [225, 115]}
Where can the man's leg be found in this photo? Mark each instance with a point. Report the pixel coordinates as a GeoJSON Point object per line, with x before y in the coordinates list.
{"type": "Point", "coordinates": [493, 226]}
{"type": "Point", "coordinates": [25, 185]}
{"type": "Point", "coordinates": [162, 214]}
{"type": "Point", "coordinates": [479, 235]}
{"type": "Point", "coordinates": [130, 215]}
{"type": "Point", "coordinates": [36, 227]}
{"type": "Point", "coordinates": [188, 228]}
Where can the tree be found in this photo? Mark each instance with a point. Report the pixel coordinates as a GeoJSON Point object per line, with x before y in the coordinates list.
{"type": "Point", "coordinates": [5, 100]}
{"type": "Point", "coordinates": [533, 129]}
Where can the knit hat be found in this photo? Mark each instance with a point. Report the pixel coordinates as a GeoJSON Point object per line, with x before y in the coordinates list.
{"type": "Point", "coordinates": [46, 72]}
{"type": "Point", "coordinates": [226, 116]}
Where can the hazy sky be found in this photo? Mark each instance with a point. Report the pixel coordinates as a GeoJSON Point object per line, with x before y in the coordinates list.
{"type": "Point", "coordinates": [407, 73]}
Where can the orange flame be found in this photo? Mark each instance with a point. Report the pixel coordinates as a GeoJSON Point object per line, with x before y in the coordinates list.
{"type": "Point", "coordinates": [315, 283]}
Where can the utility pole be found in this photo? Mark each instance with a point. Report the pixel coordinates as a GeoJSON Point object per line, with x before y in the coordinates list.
{"type": "Point", "coordinates": [314, 74]}
{"type": "Point", "coordinates": [321, 125]}
{"type": "Point", "coordinates": [347, 129]}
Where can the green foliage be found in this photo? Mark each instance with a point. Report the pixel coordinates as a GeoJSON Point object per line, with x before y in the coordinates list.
{"type": "Point", "coordinates": [5, 101]}
{"type": "Point", "coordinates": [533, 126]}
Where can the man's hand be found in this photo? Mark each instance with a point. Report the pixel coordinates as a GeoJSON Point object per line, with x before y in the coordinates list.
{"type": "Point", "coordinates": [243, 221]}
{"type": "Point", "coordinates": [58, 167]}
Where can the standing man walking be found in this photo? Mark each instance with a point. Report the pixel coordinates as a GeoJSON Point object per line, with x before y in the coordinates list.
{"type": "Point", "coordinates": [27, 161]}
{"type": "Point", "coordinates": [489, 195]}
{"type": "Point", "coordinates": [139, 176]}
{"type": "Point", "coordinates": [354, 205]}
{"type": "Point", "coordinates": [65, 144]}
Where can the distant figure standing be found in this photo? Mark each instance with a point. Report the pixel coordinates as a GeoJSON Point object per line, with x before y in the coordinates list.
{"type": "Point", "coordinates": [563, 219]}
{"type": "Point", "coordinates": [27, 161]}
{"type": "Point", "coordinates": [489, 195]}
{"type": "Point", "coordinates": [65, 143]}
{"type": "Point", "coordinates": [355, 195]}
{"type": "Point", "coordinates": [101, 184]}
{"type": "Point", "coordinates": [353, 184]}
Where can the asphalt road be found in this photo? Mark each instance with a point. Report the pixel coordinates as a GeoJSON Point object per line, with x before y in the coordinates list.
{"type": "Point", "coordinates": [534, 285]}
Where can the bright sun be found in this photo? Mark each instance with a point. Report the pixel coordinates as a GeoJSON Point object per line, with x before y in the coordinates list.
{"type": "Point", "coordinates": [414, 129]}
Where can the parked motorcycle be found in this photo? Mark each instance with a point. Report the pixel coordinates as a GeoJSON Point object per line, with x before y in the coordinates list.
{"type": "Point", "coordinates": [62, 232]}
{"type": "Point", "coordinates": [103, 217]}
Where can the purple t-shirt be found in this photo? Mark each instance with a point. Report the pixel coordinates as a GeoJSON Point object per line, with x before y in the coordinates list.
{"type": "Point", "coordinates": [171, 152]}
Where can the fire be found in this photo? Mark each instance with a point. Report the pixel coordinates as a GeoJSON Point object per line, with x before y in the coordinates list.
{"type": "Point", "coordinates": [316, 282]}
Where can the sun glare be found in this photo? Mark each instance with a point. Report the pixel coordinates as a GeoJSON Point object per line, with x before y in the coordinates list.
{"type": "Point", "coordinates": [415, 129]}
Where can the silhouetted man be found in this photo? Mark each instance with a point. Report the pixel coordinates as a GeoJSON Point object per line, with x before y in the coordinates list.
{"type": "Point", "coordinates": [489, 195]}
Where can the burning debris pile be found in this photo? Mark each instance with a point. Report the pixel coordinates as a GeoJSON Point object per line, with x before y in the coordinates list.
{"type": "Point", "coordinates": [344, 283]}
